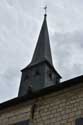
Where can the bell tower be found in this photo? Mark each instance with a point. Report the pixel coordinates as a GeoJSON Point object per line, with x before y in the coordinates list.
{"type": "Point", "coordinates": [40, 73]}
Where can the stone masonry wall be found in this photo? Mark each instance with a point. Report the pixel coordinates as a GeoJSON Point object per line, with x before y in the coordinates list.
{"type": "Point", "coordinates": [15, 114]}
{"type": "Point", "coordinates": [59, 108]}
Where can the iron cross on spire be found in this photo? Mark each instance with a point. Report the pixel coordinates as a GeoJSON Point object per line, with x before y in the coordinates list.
{"type": "Point", "coordinates": [45, 8]}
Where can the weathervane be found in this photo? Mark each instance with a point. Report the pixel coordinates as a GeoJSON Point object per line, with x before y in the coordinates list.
{"type": "Point", "coordinates": [45, 8]}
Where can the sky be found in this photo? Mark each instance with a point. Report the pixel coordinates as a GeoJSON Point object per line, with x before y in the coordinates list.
{"type": "Point", "coordinates": [20, 24]}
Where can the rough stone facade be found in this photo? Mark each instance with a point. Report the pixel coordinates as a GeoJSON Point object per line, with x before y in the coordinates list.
{"type": "Point", "coordinates": [58, 108]}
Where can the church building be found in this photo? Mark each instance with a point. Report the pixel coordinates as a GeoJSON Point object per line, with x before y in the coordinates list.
{"type": "Point", "coordinates": [42, 98]}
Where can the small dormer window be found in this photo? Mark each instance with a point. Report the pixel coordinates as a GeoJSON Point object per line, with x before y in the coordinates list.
{"type": "Point", "coordinates": [26, 77]}
{"type": "Point", "coordinates": [50, 75]}
{"type": "Point", "coordinates": [37, 73]}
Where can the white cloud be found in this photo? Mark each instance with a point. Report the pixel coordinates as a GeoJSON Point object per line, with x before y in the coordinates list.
{"type": "Point", "coordinates": [67, 53]}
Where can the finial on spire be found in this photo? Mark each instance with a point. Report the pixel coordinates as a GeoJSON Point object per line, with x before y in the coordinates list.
{"type": "Point", "coordinates": [45, 8]}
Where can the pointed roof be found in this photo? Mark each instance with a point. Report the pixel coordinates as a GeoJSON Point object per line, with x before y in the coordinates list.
{"type": "Point", "coordinates": [42, 51]}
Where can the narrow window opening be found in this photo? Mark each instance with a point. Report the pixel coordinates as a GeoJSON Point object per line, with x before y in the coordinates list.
{"type": "Point", "coordinates": [79, 121]}
{"type": "Point", "coordinates": [37, 73]}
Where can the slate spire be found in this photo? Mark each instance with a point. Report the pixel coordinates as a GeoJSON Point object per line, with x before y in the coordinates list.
{"type": "Point", "coordinates": [42, 51]}
{"type": "Point", "coordinates": [40, 73]}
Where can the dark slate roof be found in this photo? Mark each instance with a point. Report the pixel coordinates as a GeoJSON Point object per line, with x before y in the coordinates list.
{"type": "Point", "coordinates": [42, 51]}
{"type": "Point", "coordinates": [45, 91]}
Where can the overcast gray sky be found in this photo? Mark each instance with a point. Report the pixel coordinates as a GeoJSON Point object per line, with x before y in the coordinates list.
{"type": "Point", "coordinates": [20, 23]}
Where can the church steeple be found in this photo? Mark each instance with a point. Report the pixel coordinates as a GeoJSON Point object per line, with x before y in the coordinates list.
{"type": "Point", "coordinates": [40, 73]}
{"type": "Point", "coordinates": [42, 50]}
